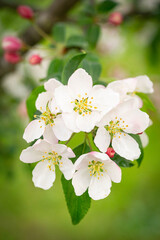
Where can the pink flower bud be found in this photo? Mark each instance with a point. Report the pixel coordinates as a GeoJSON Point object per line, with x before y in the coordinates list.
{"type": "Point", "coordinates": [12, 57]}
{"type": "Point", "coordinates": [11, 44]}
{"type": "Point", "coordinates": [35, 59]}
{"type": "Point", "coordinates": [25, 12]}
{"type": "Point", "coordinates": [115, 18]}
{"type": "Point", "coordinates": [110, 152]}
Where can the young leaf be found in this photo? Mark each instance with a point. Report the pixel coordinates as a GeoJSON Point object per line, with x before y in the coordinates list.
{"type": "Point", "coordinates": [55, 69]}
{"type": "Point", "coordinates": [78, 206]}
{"type": "Point", "coordinates": [138, 140]}
{"type": "Point", "coordinates": [76, 41]}
{"type": "Point", "coordinates": [93, 35]}
{"type": "Point", "coordinates": [81, 149]}
{"type": "Point", "coordinates": [147, 104]}
{"type": "Point", "coordinates": [59, 32]}
{"type": "Point", "coordinates": [71, 66]}
{"type": "Point", "coordinates": [122, 162]}
{"type": "Point", "coordinates": [106, 6]}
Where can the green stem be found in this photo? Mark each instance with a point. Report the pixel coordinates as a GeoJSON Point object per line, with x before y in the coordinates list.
{"type": "Point", "coordinates": [89, 142]}
{"type": "Point", "coordinates": [42, 33]}
{"type": "Point", "coordinates": [69, 139]}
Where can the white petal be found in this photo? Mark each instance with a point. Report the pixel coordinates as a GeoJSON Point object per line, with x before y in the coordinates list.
{"type": "Point", "coordinates": [144, 139]}
{"type": "Point", "coordinates": [126, 146]}
{"type": "Point", "coordinates": [69, 153]}
{"type": "Point", "coordinates": [144, 84]}
{"type": "Point", "coordinates": [102, 139]}
{"type": "Point", "coordinates": [30, 155]}
{"type": "Point", "coordinates": [60, 130]}
{"type": "Point", "coordinates": [34, 130]}
{"type": "Point", "coordinates": [70, 121]}
{"type": "Point", "coordinates": [113, 170]}
{"type": "Point", "coordinates": [53, 106]}
{"type": "Point", "coordinates": [49, 136]}
{"type": "Point", "coordinates": [80, 82]}
{"type": "Point", "coordinates": [99, 156]}
{"type": "Point", "coordinates": [42, 176]}
{"type": "Point", "coordinates": [43, 146]}
{"type": "Point", "coordinates": [87, 123]}
{"type": "Point", "coordinates": [67, 168]}
{"type": "Point", "coordinates": [42, 100]}
{"type": "Point", "coordinates": [63, 99]}
{"type": "Point", "coordinates": [99, 188]}
{"type": "Point", "coordinates": [80, 181]}
{"type": "Point", "coordinates": [52, 84]}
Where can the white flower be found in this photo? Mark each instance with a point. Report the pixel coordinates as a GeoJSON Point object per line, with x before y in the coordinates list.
{"type": "Point", "coordinates": [49, 155]}
{"type": "Point", "coordinates": [115, 126]}
{"type": "Point", "coordinates": [82, 104]}
{"type": "Point", "coordinates": [95, 171]}
{"type": "Point", "coordinates": [50, 118]}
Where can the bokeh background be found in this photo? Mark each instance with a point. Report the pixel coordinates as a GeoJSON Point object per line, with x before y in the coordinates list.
{"type": "Point", "coordinates": [132, 210]}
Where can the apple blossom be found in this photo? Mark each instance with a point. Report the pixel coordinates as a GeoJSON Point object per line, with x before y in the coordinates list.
{"type": "Point", "coordinates": [12, 57]}
{"type": "Point", "coordinates": [115, 18]}
{"type": "Point", "coordinates": [115, 127]}
{"type": "Point", "coordinates": [82, 104]}
{"type": "Point", "coordinates": [95, 171]}
{"type": "Point", "coordinates": [25, 12]}
{"type": "Point", "coordinates": [11, 44]}
{"type": "Point", "coordinates": [35, 59]}
{"type": "Point", "coordinates": [110, 152]}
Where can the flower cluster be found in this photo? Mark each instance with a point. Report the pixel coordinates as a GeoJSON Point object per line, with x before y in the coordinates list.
{"type": "Point", "coordinates": [111, 113]}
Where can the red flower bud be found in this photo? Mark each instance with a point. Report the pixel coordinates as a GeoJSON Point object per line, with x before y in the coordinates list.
{"type": "Point", "coordinates": [139, 133]}
{"type": "Point", "coordinates": [110, 152]}
{"type": "Point", "coordinates": [12, 57]}
{"type": "Point", "coordinates": [25, 12]}
{"type": "Point", "coordinates": [11, 44]}
{"type": "Point", "coordinates": [35, 59]}
{"type": "Point", "coordinates": [115, 18]}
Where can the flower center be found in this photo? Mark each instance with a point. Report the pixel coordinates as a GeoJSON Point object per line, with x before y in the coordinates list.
{"type": "Point", "coordinates": [53, 159]}
{"type": "Point", "coordinates": [96, 168]}
{"type": "Point", "coordinates": [116, 126]}
{"type": "Point", "coordinates": [47, 117]}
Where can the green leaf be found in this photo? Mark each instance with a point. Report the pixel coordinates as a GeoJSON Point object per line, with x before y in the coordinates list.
{"type": "Point", "coordinates": [30, 103]}
{"type": "Point", "coordinates": [78, 206]}
{"type": "Point", "coordinates": [55, 69]}
{"type": "Point", "coordinates": [147, 104]}
{"type": "Point", "coordinates": [91, 64]}
{"type": "Point", "coordinates": [93, 33]}
{"type": "Point", "coordinates": [81, 149]}
{"type": "Point", "coordinates": [106, 6]}
{"type": "Point", "coordinates": [76, 41]}
{"type": "Point", "coordinates": [101, 83]}
{"type": "Point", "coordinates": [122, 162]}
{"type": "Point", "coordinates": [59, 32]}
{"type": "Point", "coordinates": [71, 66]}
{"type": "Point", "coordinates": [138, 140]}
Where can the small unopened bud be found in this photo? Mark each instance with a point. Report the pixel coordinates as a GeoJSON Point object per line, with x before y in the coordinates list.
{"type": "Point", "coordinates": [25, 12]}
{"type": "Point", "coordinates": [110, 152]}
{"type": "Point", "coordinates": [12, 57]}
{"type": "Point", "coordinates": [35, 59]}
{"type": "Point", "coordinates": [115, 18]}
{"type": "Point", "coordinates": [11, 44]}
{"type": "Point", "coordinates": [140, 133]}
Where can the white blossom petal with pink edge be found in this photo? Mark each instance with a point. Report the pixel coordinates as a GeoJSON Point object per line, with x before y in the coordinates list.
{"type": "Point", "coordinates": [126, 146]}
{"type": "Point", "coordinates": [60, 129]}
{"type": "Point", "coordinates": [87, 123]}
{"type": "Point", "coordinates": [52, 84]}
{"type": "Point", "coordinates": [30, 155]}
{"type": "Point", "coordinates": [99, 188]}
{"type": "Point", "coordinates": [43, 146]}
{"type": "Point", "coordinates": [42, 100]}
{"type": "Point", "coordinates": [144, 84]}
{"type": "Point", "coordinates": [69, 153]}
{"type": "Point", "coordinates": [43, 177]}
{"type": "Point", "coordinates": [80, 83]}
{"type": "Point", "coordinates": [70, 121]}
{"type": "Point", "coordinates": [49, 136]}
{"type": "Point", "coordinates": [102, 139]}
{"type": "Point", "coordinates": [34, 130]}
{"type": "Point", "coordinates": [113, 170]}
{"type": "Point", "coordinates": [81, 180]}
{"type": "Point", "coordinates": [63, 99]}
{"type": "Point", "coordinates": [67, 168]}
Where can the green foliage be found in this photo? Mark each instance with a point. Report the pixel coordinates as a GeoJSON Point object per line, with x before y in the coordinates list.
{"type": "Point", "coordinates": [59, 32]}
{"type": "Point", "coordinates": [93, 34]}
{"type": "Point", "coordinates": [147, 104]}
{"type": "Point", "coordinates": [30, 103]}
{"type": "Point", "coordinates": [76, 41]}
{"type": "Point", "coordinates": [106, 6]}
{"type": "Point", "coordinates": [79, 150]}
{"type": "Point", "coordinates": [138, 140]}
{"type": "Point", "coordinates": [122, 162]}
{"type": "Point", "coordinates": [55, 69]}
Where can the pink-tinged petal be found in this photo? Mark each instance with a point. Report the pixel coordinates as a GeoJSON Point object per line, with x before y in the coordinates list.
{"type": "Point", "coordinates": [126, 146]}
{"type": "Point", "coordinates": [83, 161]}
{"type": "Point", "coordinates": [34, 130]}
{"type": "Point", "coordinates": [69, 153]}
{"type": "Point", "coordinates": [98, 156]}
{"type": "Point", "coordinates": [43, 146]}
{"type": "Point", "coordinates": [113, 170]}
{"type": "Point", "coordinates": [43, 177]}
{"type": "Point", "coordinates": [99, 188]}
{"type": "Point", "coordinates": [42, 101]}
{"type": "Point", "coordinates": [63, 99]}
{"type": "Point", "coordinates": [49, 136]}
{"type": "Point", "coordinates": [81, 180]}
{"type": "Point", "coordinates": [51, 85]}
{"type": "Point", "coordinates": [144, 139]}
{"type": "Point", "coordinates": [102, 139]}
{"type": "Point", "coordinates": [30, 155]}
{"type": "Point", "coordinates": [67, 168]}
{"type": "Point", "coordinates": [144, 84]}
{"type": "Point", "coordinates": [87, 123]}
{"type": "Point", "coordinates": [60, 130]}
{"type": "Point", "coordinates": [135, 121]}
{"type": "Point", "coordinates": [80, 83]}
{"type": "Point", "coordinates": [70, 121]}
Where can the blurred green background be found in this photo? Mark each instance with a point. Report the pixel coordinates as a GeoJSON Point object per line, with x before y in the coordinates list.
{"type": "Point", "coordinates": [132, 210]}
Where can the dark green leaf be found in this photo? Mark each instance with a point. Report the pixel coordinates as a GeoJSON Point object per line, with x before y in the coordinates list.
{"type": "Point", "coordinates": [77, 206]}
{"type": "Point", "coordinates": [59, 32]}
{"type": "Point", "coordinates": [71, 66]}
{"type": "Point", "coordinates": [91, 64]}
{"type": "Point", "coordinates": [81, 149]}
{"type": "Point", "coordinates": [138, 140]}
{"type": "Point", "coordinates": [76, 41]}
{"type": "Point", "coordinates": [147, 104]}
{"type": "Point", "coordinates": [30, 103]}
{"type": "Point", "coordinates": [122, 162]}
{"type": "Point", "coordinates": [55, 69]}
{"type": "Point", "coordinates": [93, 33]}
{"type": "Point", "coordinates": [100, 83]}
{"type": "Point", "coordinates": [106, 6]}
